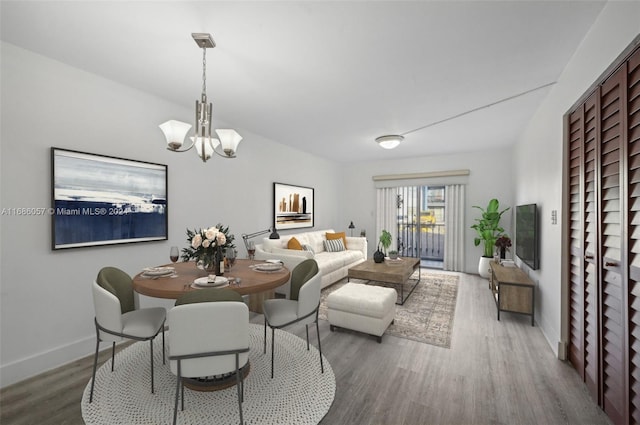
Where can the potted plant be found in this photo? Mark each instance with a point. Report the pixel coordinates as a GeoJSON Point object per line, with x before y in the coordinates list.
{"type": "Point", "coordinates": [385, 241]}
{"type": "Point", "coordinates": [489, 230]}
{"type": "Point", "coordinates": [393, 254]}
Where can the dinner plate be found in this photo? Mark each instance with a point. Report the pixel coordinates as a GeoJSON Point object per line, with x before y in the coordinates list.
{"type": "Point", "coordinates": [194, 286]}
{"type": "Point", "coordinates": [158, 271]}
{"type": "Point", "coordinates": [273, 261]}
{"type": "Point", "coordinates": [268, 267]}
{"type": "Point", "coordinates": [206, 282]}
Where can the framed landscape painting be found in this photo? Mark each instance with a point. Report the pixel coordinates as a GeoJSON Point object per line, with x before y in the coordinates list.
{"type": "Point", "coordinates": [104, 200]}
{"type": "Point", "coordinates": [293, 206]}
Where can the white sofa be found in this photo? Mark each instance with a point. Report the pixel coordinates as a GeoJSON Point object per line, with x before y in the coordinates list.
{"type": "Point", "coordinates": [333, 265]}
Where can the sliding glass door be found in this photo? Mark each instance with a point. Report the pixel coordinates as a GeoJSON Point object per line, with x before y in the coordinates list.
{"type": "Point", "coordinates": [421, 223]}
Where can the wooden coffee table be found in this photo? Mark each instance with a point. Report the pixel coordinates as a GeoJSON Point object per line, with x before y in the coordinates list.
{"type": "Point", "coordinates": [395, 272]}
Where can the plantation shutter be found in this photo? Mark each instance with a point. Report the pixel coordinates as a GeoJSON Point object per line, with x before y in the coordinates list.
{"type": "Point", "coordinates": [613, 299]}
{"type": "Point", "coordinates": [603, 230]}
{"type": "Point", "coordinates": [633, 141]}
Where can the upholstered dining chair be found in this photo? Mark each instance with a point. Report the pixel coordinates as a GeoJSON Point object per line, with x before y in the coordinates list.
{"type": "Point", "coordinates": [302, 305]}
{"type": "Point", "coordinates": [209, 335]}
{"type": "Point", "coordinates": [118, 316]}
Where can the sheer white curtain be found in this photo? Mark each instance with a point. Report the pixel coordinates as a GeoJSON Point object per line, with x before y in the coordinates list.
{"type": "Point", "coordinates": [454, 225]}
{"type": "Point", "coordinates": [387, 214]}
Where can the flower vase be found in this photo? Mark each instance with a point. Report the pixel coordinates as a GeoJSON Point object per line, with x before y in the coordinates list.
{"type": "Point", "coordinates": [378, 256]}
{"type": "Point", "coordinates": [206, 264]}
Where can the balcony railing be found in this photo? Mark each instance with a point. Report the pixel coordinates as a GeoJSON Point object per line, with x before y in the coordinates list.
{"type": "Point", "coordinates": [425, 241]}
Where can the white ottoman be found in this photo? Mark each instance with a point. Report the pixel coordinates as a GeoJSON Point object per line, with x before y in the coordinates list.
{"type": "Point", "coordinates": [364, 308]}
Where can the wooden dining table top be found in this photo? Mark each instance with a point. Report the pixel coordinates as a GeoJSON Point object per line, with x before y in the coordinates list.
{"type": "Point", "coordinates": [172, 287]}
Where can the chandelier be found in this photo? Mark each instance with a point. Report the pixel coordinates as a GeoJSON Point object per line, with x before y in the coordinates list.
{"type": "Point", "coordinates": [224, 142]}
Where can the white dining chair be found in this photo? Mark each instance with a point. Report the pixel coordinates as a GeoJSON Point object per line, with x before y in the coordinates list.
{"type": "Point", "coordinates": [301, 307]}
{"type": "Point", "coordinates": [209, 336]}
{"type": "Point", "coordinates": [118, 317]}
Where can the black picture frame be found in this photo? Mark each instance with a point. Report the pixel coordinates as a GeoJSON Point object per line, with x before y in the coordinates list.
{"type": "Point", "coordinates": [101, 200]}
{"type": "Point", "coordinates": [292, 206]}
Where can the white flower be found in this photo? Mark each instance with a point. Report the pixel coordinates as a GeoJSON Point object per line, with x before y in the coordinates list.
{"type": "Point", "coordinates": [206, 243]}
{"type": "Point", "coordinates": [211, 233]}
{"type": "Point", "coordinates": [196, 241]}
{"type": "Point", "coordinates": [222, 239]}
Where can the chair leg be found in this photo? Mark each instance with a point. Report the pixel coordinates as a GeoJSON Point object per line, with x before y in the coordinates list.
{"type": "Point", "coordinates": [319, 345]}
{"type": "Point", "coordinates": [163, 349]}
{"type": "Point", "coordinates": [95, 365]}
{"type": "Point", "coordinates": [182, 392]}
{"type": "Point", "coordinates": [242, 385]}
{"type": "Point", "coordinates": [265, 335]}
{"type": "Point", "coordinates": [113, 354]}
{"type": "Point", "coordinates": [273, 344]}
{"type": "Point", "coordinates": [175, 406]}
{"type": "Point", "coordinates": [151, 351]}
{"type": "Point", "coordinates": [306, 326]}
{"type": "Point", "coordinates": [240, 396]}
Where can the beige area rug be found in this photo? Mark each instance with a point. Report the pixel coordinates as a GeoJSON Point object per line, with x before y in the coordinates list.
{"type": "Point", "coordinates": [427, 315]}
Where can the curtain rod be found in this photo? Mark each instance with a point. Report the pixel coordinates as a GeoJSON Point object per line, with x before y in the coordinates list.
{"type": "Point", "coordinates": [421, 175]}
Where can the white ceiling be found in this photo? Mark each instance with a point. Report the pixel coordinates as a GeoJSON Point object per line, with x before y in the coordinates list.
{"type": "Point", "coordinates": [327, 77]}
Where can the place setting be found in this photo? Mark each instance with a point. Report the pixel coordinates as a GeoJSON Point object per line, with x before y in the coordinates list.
{"type": "Point", "coordinates": [269, 266]}
{"type": "Point", "coordinates": [211, 281]}
{"type": "Point", "coordinates": [159, 272]}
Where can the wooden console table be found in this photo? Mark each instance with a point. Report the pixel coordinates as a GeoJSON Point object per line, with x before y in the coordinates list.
{"type": "Point", "coordinates": [512, 290]}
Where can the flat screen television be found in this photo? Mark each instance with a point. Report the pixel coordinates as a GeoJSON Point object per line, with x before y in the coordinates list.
{"type": "Point", "coordinates": [527, 235]}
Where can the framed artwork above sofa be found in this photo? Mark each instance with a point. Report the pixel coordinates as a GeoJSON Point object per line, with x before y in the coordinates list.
{"type": "Point", "coordinates": [292, 206]}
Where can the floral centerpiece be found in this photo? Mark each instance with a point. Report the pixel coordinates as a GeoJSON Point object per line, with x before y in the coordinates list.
{"type": "Point", "coordinates": [206, 246]}
{"type": "Point", "coordinates": [503, 243]}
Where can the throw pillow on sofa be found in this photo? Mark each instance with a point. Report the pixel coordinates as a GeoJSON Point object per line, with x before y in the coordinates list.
{"type": "Point", "coordinates": [294, 244]}
{"type": "Point", "coordinates": [334, 245]}
{"type": "Point", "coordinates": [341, 235]}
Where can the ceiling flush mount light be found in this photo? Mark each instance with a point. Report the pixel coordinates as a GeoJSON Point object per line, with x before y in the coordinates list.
{"type": "Point", "coordinates": [227, 140]}
{"type": "Point", "coordinates": [390, 141]}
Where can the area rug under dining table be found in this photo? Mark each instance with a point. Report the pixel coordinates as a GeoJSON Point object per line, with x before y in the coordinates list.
{"type": "Point", "coordinates": [298, 394]}
{"type": "Point", "coordinates": [427, 315]}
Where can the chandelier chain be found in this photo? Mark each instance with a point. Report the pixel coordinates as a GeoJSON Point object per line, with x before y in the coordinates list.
{"type": "Point", "coordinates": [204, 71]}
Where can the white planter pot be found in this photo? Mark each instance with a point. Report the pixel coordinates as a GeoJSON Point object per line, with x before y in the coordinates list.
{"type": "Point", "coordinates": [483, 267]}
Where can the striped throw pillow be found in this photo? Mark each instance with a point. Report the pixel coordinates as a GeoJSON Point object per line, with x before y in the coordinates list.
{"type": "Point", "coordinates": [333, 245]}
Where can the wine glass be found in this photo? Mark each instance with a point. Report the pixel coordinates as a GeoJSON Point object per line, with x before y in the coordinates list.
{"type": "Point", "coordinates": [251, 249]}
{"type": "Point", "coordinates": [173, 254]}
{"type": "Point", "coordinates": [231, 256]}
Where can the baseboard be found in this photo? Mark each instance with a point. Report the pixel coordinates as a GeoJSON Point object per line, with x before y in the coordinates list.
{"type": "Point", "coordinates": [562, 350]}
{"type": "Point", "coordinates": [28, 367]}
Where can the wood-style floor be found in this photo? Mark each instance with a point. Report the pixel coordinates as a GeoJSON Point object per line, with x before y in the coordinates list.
{"type": "Point", "coordinates": [494, 373]}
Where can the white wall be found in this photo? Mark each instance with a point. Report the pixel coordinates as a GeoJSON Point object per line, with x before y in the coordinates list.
{"type": "Point", "coordinates": [46, 309]}
{"type": "Point", "coordinates": [490, 177]}
{"type": "Point", "coordinates": [538, 154]}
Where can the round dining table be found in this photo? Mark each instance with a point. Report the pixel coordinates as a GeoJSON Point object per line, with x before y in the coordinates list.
{"type": "Point", "coordinates": [259, 285]}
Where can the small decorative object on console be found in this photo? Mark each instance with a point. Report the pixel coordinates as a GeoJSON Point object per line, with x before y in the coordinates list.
{"type": "Point", "coordinates": [503, 243]}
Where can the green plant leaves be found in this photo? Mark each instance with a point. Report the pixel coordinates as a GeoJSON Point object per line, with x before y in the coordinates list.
{"type": "Point", "coordinates": [488, 226]}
